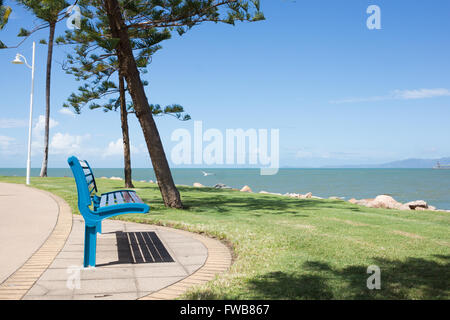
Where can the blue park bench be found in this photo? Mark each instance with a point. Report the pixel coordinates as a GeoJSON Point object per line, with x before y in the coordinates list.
{"type": "Point", "coordinates": [95, 208]}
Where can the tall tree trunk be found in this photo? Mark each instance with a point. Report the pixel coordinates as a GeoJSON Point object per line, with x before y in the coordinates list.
{"type": "Point", "coordinates": [128, 67]}
{"type": "Point", "coordinates": [47, 98]}
{"type": "Point", "coordinates": [125, 135]}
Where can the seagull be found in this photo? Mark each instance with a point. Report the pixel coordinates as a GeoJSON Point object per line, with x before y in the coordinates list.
{"type": "Point", "coordinates": [207, 174]}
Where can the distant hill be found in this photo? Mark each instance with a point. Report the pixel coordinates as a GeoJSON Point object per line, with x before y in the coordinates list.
{"type": "Point", "coordinates": [402, 164]}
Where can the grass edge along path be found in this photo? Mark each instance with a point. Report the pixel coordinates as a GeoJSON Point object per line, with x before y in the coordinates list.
{"type": "Point", "coordinates": [299, 248]}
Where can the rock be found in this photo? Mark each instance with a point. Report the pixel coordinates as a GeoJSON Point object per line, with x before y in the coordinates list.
{"type": "Point", "coordinates": [264, 192]}
{"type": "Point", "coordinates": [428, 208]}
{"type": "Point", "coordinates": [103, 178]}
{"type": "Point", "coordinates": [385, 202]}
{"type": "Point", "coordinates": [115, 178]}
{"type": "Point", "coordinates": [404, 207]}
{"type": "Point", "coordinates": [364, 202]}
{"type": "Point", "coordinates": [353, 200]}
{"type": "Point", "coordinates": [198, 185]}
{"type": "Point", "coordinates": [222, 186]}
{"type": "Point", "coordinates": [246, 189]}
{"type": "Point", "coordinates": [413, 205]}
{"type": "Point", "coordinates": [304, 196]}
{"type": "Point", "coordinates": [292, 195]}
{"type": "Point", "coordinates": [142, 181]}
{"type": "Point", "coordinates": [314, 197]}
{"type": "Point", "coordinates": [335, 198]}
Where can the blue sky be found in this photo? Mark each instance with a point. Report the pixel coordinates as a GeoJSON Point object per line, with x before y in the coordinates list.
{"type": "Point", "coordinates": [338, 92]}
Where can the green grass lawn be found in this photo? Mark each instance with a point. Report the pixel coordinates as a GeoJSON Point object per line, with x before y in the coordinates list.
{"type": "Point", "coordinates": [300, 249]}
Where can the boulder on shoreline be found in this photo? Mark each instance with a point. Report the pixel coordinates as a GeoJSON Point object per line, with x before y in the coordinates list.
{"type": "Point", "coordinates": [246, 189]}
{"type": "Point", "coordinates": [414, 205]}
{"type": "Point", "coordinates": [198, 185]}
{"type": "Point", "coordinates": [385, 202]}
{"type": "Point", "coordinates": [388, 202]}
{"type": "Point", "coordinates": [299, 195]}
{"type": "Point", "coordinates": [272, 193]}
{"type": "Point", "coordinates": [362, 202]}
{"type": "Point", "coordinates": [222, 186]}
{"type": "Point", "coordinates": [115, 178]}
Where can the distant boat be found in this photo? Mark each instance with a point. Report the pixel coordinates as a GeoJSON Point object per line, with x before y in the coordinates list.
{"type": "Point", "coordinates": [441, 166]}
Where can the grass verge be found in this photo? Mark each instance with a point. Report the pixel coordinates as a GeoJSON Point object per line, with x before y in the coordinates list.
{"type": "Point", "coordinates": [300, 249]}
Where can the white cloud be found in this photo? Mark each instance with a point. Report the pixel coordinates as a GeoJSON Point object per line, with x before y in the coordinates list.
{"type": "Point", "coordinates": [355, 100]}
{"type": "Point", "coordinates": [40, 124]}
{"type": "Point", "coordinates": [8, 146]}
{"type": "Point", "coordinates": [305, 154]}
{"type": "Point", "coordinates": [301, 154]}
{"type": "Point", "coordinates": [420, 93]}
{"type": "Point", "coordinates": [317, 154]}
{"type": "Point", "coordinates": [66, 112]}
{"type": "Point", "coordinates": [12, 123]}
{"type": "Point", "coordinates": [5, 142]}
{"type": "Point", "coordinates": [400, 95]}
{"type": "Point", "coordinates": [38, 133]}
{"type": "Point", "coordinates": [115, 148]}
{"type": "Point", "coordinates": [65, 143]}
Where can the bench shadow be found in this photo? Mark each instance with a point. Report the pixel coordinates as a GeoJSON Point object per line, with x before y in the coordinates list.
{"type": "Point", "coordinates": [138, 248]}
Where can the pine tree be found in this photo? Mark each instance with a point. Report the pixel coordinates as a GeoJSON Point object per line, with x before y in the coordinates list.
{"type": "Point", "coordinates": [48, 11]}
{"type": "Point", "coordinates": [87, 96]}
{"type": "Point", "coordinates": [119, 28]}
{"type": "Point", "coordinates": [5, 11]}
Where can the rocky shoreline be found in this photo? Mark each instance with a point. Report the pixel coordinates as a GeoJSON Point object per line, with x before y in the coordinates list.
{"type": "Point", "coordinates": [381, 201]}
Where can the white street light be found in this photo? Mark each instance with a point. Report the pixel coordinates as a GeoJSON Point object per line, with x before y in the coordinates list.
{"type": "Point", "coordinates": [18, 60]}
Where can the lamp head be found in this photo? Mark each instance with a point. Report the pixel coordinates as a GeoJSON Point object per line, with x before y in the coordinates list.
{"type": "Point", "coordinates": [17, 60]}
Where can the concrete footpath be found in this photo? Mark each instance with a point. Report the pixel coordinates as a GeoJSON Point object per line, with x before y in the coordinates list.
{"type": "Point", "coordinates": [27, 217]}
{"type": "Point", "coordinates": [134, 261]}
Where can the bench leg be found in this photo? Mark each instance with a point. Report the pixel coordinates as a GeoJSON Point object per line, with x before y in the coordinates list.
{"type": "Point", "coordinates": [99, 227]}
{"type": "Point", "coordinates": [90, 246]}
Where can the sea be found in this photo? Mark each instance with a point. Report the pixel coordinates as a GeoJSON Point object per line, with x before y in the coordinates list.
{"type": "Point", "coordinates": [404, 185]}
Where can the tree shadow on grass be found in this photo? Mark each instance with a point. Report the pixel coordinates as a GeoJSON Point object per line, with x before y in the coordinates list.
{"type": "Point", "coordinates": [269, 205]}
{"type": "Point", "coordinates": [280, 285]}
{"type": "Point", "coordinates": [227, 200]}
{"type": "Point", "coordinates": [413, 278]}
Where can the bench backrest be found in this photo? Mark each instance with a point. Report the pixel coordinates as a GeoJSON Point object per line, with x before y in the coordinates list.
{"type": "Point", "coordinates": [84, 179]}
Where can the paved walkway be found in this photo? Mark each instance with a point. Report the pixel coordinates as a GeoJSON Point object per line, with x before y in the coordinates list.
{"type": "Point", "coordinates": [134, 261]}
{"type": "Point", "coordinates": [27, 217]}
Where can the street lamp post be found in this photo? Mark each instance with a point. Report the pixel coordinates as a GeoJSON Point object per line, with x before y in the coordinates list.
{"type": "Point", "coordinates": [18, 60]}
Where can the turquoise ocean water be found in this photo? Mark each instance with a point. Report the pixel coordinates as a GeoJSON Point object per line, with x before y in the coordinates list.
{"type": "Point", "coordinates": [404, 185]}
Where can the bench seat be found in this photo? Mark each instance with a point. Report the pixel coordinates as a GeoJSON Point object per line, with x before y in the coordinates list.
{"type": "Point", "coordinates": [119, 197]}
{"type": "Point", "coordinates": [96, 208]}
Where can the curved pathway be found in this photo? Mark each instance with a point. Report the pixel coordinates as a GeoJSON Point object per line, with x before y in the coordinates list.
{"type": "Point", "coordinates": [134, 261]}
{"type": "Point", "coordinates": [18, 283]}
{"type": "Point", "coordinates": [27, 217]}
